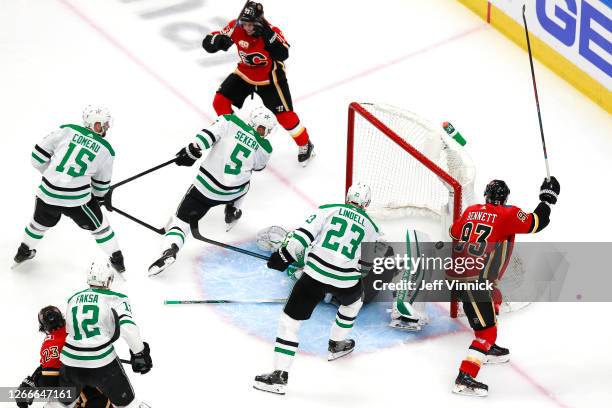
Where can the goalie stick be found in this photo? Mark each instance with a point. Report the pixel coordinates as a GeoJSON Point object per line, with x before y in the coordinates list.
{"type": "Point", "coordinates": [535, 91]}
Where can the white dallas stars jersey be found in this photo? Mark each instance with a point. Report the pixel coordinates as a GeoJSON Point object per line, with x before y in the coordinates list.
{"type": "Point", "coordinates": [331, 242]}
{"type": "Point", "coordinates": [95, 319]}
{"type": "Point", "coordinates": [73, 160]}
{"type": "Point", "coordinates": [236, 149]}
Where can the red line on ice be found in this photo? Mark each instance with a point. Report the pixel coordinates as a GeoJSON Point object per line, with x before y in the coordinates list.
{"type": "Point", "coordinates": [392, 62]}
{"type": "Point", "coordinates": [173, 90]}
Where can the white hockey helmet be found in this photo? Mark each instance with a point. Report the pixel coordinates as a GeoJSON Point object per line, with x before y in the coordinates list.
{"type": "Point", "coordinates": [97, 114]}
{"type": "Point", "coordinates": [101, 274]}
{"type": "Point", "coordinates": [260, 116]}
{"type": "Point", "coordinates": [359, 194]}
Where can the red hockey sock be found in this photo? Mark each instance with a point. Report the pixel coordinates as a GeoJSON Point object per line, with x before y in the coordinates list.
{"type": "Point", "coordinates": [222, 105]}
{"type": "Point", "coordinates": [477, 353]}
{"type": "Point", "coordinates": [291, 123]}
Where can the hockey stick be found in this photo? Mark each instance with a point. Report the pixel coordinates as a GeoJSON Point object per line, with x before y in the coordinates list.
{"type": "Point", "coordinates": [108, 203]}
{"type": "Point", "coordinates": [128, 362]}
{"type": "Point", "coordinates": [223, 301]}
{"type": "Point", "coordinates": [196, 234]}
{"type": "Point", "coordinates": [535, 90]}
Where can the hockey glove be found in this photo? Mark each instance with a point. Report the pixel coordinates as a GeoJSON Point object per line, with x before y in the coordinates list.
{"type": "Point", "coordinates": [188, 155]}
{"type": "Point", "coordinates": [222, 42]}
{"type": "Point", "coordinates": [549, 191]}
{"type": "Point", "coordinates": [280, 260]}
{"type": "Point", "coordinates": [28, 382]}
{"type": "Point", "coordinates": [141, 362]}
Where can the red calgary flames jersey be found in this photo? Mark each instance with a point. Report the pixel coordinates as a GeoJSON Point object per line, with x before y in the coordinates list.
{"type": "Point", "coordinates": [485, 234]}
{"type": "Point", "coordinates": [255, 62]}
{"type": "Point", "coordinates": [50, 351]}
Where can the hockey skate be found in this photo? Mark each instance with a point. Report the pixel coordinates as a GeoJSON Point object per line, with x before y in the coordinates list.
{"type": "Point", "coordinates": [274, 382]}
{"type": "Point", "coordinates": [465, 384]}
{"type": "Point", "coordinates": [167, 259]}
{"type": "Point", "coordinates": [232, 215]}
{"type": "Point", "coordinates": [497, 355]}
{"type": "Point", "coordinates": [116, 261]}
{"type": "Point", "coordinates": [340, 348]}
{"type": "Point", "coordinates": [24, 253]}
{"type": "Point", "coordinates": [306, 153]}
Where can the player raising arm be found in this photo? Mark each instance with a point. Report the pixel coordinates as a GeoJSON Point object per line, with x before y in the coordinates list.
{"type": "Point", "coordinates": [76, 163]}
{"type": "Point", "coordinates": [262, 48]}
{"type": "Point", "coordinates": [236, 150]}
{"type": "Point", "coordinates": [97, 317]}
{"type": "Point", "coordinates": [487, 231]}
{"type": "Point", "coordinates": [330, 240]}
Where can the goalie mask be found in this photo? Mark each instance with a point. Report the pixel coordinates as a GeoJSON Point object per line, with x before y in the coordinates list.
{"type": "Point", "coordinates": [97, 114]}
{"type": "Point", "coordinates": [359, 194]}
{"type": "Point", "coordinates": [262, 117]}
{"type": "Point", "coordinates": [100, 275]}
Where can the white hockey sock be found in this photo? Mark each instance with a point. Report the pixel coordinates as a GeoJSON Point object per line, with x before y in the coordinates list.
{"type": "Point", "coordinates": [345, 318]}
{"type": "Point", "coordinates": [286, 342]}
{"type": "Point", "coordinates": [177, 233]}
{"type": "Point", "coordinates": [105, 237]}
{"type": "Point", "coordinates": [34, 232]}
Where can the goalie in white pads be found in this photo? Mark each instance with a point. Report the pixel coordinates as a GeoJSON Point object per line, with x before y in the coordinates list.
{"type": "Point", "coordinates": [95, 318]}
{"type": "Point", "coordinates": [76, 163]}
{"type": "Point", "coordinates": [236, 150]}
{"type": "Point", "coordinates": [330, 243]}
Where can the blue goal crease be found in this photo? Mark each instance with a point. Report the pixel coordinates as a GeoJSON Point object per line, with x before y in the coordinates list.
{"type": "Point", "coordinates": [226, 275]}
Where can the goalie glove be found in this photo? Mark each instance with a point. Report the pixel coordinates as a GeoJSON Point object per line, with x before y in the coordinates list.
{"type": "Point", "coordinates": [141, 362]}
{"type": "Point", "coordinates": [549, 191]}
{"type": "Point", "coordinates": [280, 260]}
{"type": "Point", "coordinates": [188, 155]}
{"type": "Point", "coordinates": [28, 382]}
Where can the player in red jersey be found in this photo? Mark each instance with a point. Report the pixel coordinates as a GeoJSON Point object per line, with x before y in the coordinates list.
{"type": "Point", "coordinates": [485, 233]}
{"type": "Point", "coordinates": [262, 48]}
{"type": "Point", "coordinates": [47, 374]}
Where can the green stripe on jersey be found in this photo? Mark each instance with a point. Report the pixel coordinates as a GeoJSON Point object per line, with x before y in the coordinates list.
{"type": "Point", "coordinates": [178, 234]}
{"type": "Point", "coordinates": [60, 196]}
{"type": "Point", "coordinates": [106, 238]}
{"type": "Point", "coordinates": [38, 159]}
{"type": "Point", "coordinates": [214, 190]}
{"type": "Point", "coordinates": [203, 140]}
{"type": "Point", "coordinates": [296, 235]}
{"type": "Point", "coordinates": [99, 188]}
{"type": "Point", "coordinates": [343, 325]}
{"type": "Point", "coordinates": [94, 357]}
{"type": "Point", "coordinates": [126, 322]}
{"type": "Point", "coordinates": [33, 235]}
{"type": "Point", "coordinates": [333, 275]}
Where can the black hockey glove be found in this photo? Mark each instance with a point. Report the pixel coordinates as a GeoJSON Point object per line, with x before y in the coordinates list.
{"type": "Point", "coordinates": [28, 382]}
{"type": "Point", "coordinates": [141, 362]}
{"type": "Point", "coordinates": [188, 155]}
{"type": "Point", "coordinates": [280, 260]}
{"type": "Point", "coordinates": [267, 33]}
{"type": "Point", "coordinates": [222, 42]}
{"type": "Point", "coordinates": [549, 191]}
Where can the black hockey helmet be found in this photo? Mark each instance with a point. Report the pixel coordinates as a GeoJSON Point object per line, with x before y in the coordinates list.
{"type": "Point", "coordinates": [252, 12]}
{"type": "Point", "coordinates": [497, 192]}
{"type": "Point", "coordinates": [50, 318]}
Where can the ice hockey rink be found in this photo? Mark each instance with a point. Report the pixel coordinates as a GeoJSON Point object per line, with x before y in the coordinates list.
{"type": "Point", "coordinates": [144, 61]}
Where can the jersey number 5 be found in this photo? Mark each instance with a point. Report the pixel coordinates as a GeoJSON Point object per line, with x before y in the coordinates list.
{"type": "Point", "coordinates": [85, 321]}
{"type": "Point", "coordinates": [78, 160]}
{"type": "Point", "coordinates": [339, 233]}
{"type": "Point", "coordinates": [237, 168]}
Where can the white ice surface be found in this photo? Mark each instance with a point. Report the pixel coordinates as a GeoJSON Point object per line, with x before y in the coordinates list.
{"type": "Point", "coordinates": [431, 57]}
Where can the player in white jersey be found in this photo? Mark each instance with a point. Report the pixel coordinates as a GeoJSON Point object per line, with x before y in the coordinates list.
{"type": "Point", "coordinates": [95, 318]}
{"type": "Point", "coordinates": [330, 243]}
{"type": "Point", "coordinates": [76, 163]}
{"type": "Point", "coordinates": [236, 150]}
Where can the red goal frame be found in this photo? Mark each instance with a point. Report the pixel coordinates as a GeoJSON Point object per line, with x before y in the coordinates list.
{"type": "Point", "coordinates": [356, 108]}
